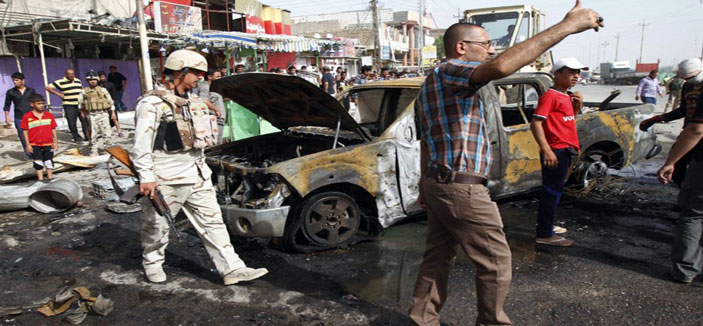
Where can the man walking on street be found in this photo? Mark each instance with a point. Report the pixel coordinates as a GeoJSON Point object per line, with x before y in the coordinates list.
{"type": "Point", "coordinates": [110, 87]}
{"type": "Point", "coordinates": [173, 161]}
{"type": "Point", "coordinates": [649, 88]}
{"type": "Point", "coordinates": [687, 251]}
{"type": "Point", "coordinates": [97, 105]}
{"type": "Point", "coordinates": [69, 90]}
{"type": "Point", "coordinates": [455, 160]}
{"type": "Point", "coordinates": [120, 82]}
{"type": "Point", "coordinates": [673, 88]}
{"type": "Point", "coordinates": [18, 96]}
{"type": "Point", "coordinates": [328, 84]}
{"type": "Point", "coordinates": [554, 128]}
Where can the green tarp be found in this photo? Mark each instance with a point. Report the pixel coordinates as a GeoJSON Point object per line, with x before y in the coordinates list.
{"type": "Point", "coordinates": [242, 123]}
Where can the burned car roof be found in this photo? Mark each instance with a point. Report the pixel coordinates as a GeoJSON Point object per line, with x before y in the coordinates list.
{"type": "Point", "coordinates": [285, 101]}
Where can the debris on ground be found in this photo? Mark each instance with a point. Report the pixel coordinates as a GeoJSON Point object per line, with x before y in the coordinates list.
{"type": "Point", "coordinates": [103, 189]}
{"type": "Point", "coordinates": [64, 161]}
{"type": "Point", "coordinates": [48, 196]}
{"type": "Point", "coordinates": [79, 298]}
{"type": "Point", "coordinates": [123, 208]}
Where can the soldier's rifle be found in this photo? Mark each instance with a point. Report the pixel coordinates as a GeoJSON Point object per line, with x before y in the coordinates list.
{"type": "Point", "coordinates": [132, 195]}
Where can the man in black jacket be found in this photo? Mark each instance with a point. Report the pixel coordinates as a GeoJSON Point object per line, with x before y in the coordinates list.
{"type": "Point", "coordinates": [19, 97]}
{"type": "Point", "coordinates": [110, 87]}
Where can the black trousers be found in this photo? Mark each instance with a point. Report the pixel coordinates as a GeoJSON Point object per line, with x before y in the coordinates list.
{"type": "Point", "coordinates": [553, 180]}
{"type": "Point", "coordinates": [72, 115]}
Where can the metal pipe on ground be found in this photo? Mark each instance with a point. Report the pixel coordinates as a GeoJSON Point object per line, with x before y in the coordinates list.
{"type": "Point", "coordinates": [55, 197]}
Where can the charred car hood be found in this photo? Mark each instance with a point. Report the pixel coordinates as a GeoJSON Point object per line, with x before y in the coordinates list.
{"type": "Point", "coordinates": [286, 101]}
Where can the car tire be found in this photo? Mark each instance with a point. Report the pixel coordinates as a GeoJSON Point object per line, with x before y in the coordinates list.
{"type": "Point", "coordinates": [322, 221]}
{"type": "Point", "coordinates": [589, 167]}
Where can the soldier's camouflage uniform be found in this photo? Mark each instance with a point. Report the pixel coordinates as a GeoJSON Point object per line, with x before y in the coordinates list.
{"type": "Point", "coordinates": [97, 112]}
{"type": "Point", "coordinates": [184, 179]}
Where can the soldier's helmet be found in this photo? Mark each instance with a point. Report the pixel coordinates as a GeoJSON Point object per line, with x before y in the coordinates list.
{"type": "Point", "coordinates": [182, 59]}
{"type": "Point", "coordinates": [92, 75]}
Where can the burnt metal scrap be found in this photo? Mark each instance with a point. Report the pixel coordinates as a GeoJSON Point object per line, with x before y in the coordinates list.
{"type": "Point", "coordinates": [51, 196]}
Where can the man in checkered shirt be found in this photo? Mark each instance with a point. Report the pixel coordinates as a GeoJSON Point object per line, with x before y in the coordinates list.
{"type": "Point", "coordinates": [455, 158]}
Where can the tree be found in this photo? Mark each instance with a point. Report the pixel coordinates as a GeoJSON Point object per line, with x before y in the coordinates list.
{"type": "Point", "coordinates": [439, 43]}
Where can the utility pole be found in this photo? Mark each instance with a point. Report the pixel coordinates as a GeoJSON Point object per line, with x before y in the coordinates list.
{"type": "Point", "coordinates": [144, 45]}
{"type": "Point", "coordinates": [642, 39]}
{"type": "Point", "coordinates": [376, 38]}
{"type": "Point", "coordinates": [460, 19]}
{"type": "Point", "coordinates": [422, 32]}
{"type": "Point", "coordinates": [589, 53]}
{"type": "Point", "coordinates": [605, 46]}
{"type": "Point", "coordinates": [617, 45]}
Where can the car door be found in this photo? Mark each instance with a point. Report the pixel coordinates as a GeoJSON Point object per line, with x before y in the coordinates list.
{"type": "Point", "coordinates": [521, 162]}
{"type": "Point", "coordinates": [402, 129]}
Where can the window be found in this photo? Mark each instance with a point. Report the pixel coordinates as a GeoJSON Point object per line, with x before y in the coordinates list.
{"type": "Point", "coordinates": [524, 32]}
{"type": "Point", "coordinates": [500, 26]}
{"type": "Point", "coordinates": [518, 103]}
{"type": "Point", "coordinates": [376, 109]}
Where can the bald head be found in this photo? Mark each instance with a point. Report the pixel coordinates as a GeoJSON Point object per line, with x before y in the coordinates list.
{"type": "Point", "coordinates": [460, 32]}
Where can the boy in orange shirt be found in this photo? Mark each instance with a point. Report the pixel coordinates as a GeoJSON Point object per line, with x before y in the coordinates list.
{"type": "Point", "coordinates": [39, 128]}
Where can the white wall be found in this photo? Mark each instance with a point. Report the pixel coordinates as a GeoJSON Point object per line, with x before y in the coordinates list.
{"type": "Point", "coordinates": [22, 11]}
{"type": "Point", "coordinates": [347, 18]}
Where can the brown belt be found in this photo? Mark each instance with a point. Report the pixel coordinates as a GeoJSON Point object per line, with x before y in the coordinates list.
{"type": "Point", "coordinates": [445, 176]}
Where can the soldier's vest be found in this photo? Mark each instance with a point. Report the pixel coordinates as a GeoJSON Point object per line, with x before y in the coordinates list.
{"type": "Point", "coordinates": [185, 124]}
{"type": "Point", "coordinates": [95, 100]}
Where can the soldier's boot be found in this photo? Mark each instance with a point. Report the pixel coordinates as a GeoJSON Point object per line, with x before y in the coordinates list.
{"type": "Point", "coordinates": [155, 274]}
{"type": "Point", "coordinates": [244, 274]}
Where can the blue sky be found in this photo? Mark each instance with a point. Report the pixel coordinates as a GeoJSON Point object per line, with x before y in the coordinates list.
{"type": "Point", "coordinates": [674, 31]}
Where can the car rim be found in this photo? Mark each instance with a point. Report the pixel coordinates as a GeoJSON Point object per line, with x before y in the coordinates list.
{"type": "Point", "coordinates": [331, 220]}
{"type": "Point", "coordinates": [594, 170]}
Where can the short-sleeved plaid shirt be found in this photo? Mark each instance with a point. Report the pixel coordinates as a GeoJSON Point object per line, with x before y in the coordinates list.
{"type": "Point", "coordinates": [450, 118]}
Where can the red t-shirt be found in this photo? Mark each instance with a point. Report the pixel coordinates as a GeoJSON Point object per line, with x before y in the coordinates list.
{"type": "Point", "coordinates": [39, 129]}
{"type": "Point", "coordinates": [559, 125]}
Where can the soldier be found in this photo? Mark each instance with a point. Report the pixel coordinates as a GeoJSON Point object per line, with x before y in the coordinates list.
{"type": "Point", "coordinates": [97, 106]}
{"type": "Point", "coordinates": [172, 130]}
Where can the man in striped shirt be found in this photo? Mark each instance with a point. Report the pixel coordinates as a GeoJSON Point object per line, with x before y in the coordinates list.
{"type": "Point", "coordinates": [69, 90]}
{"type": "Point", "coordinates": [455, 159]}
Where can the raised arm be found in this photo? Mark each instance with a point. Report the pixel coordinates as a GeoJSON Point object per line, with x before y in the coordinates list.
{"type": "Point", "coordinates": [576, 21]}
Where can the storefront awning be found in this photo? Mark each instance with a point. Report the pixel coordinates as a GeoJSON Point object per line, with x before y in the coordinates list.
{"type": "Point", "coordinates": [269, 42]}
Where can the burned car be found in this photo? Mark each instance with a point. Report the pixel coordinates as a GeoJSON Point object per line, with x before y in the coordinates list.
{"type": "Point", "coordinates": [343, 164]}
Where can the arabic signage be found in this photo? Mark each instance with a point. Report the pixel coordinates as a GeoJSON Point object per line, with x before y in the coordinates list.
{"type": "Point", "coordinates": [255, 25]}
{"type": "Point", "coordinates": [175, 18]}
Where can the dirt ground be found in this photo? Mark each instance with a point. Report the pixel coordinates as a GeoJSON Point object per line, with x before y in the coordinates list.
{"type": "Point", "coordinates": [614, 275]}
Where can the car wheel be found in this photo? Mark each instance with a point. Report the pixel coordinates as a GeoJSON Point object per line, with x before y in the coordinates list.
{"type": "Point", "coordinates": [590, 167]}
{"type": "Point", "coordinates": [322, 221]}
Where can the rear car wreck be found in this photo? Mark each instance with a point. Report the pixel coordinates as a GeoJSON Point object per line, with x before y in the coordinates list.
{"type": "Point", "coordinates": [351, 163]}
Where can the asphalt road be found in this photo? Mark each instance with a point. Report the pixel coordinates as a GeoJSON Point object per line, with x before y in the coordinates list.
{"type": "Point", "coordinates": [614, 275]}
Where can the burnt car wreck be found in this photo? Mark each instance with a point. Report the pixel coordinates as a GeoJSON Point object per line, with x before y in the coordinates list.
{"type": "Point", "coordinates": [351, 163]}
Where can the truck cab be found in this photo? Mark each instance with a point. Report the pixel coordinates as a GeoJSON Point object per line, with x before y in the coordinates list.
{"type": "Point", "coordinates": [510, 25]}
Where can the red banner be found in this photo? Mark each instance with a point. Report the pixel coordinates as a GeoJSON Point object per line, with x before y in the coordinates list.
{"type": "Point", "coordinates": [268, 26]}
{"type": "Point", "coordinates": [255, 25]}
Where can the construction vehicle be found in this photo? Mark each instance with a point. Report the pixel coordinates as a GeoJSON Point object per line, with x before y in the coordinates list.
{"type": "Point", "coordinates": [510, 25]}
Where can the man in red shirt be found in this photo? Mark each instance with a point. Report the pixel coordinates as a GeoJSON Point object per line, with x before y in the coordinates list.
{"type": "Point", "coordinates": [39, 128]}
{"type": "Point", "coordinates": [554, 127]}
